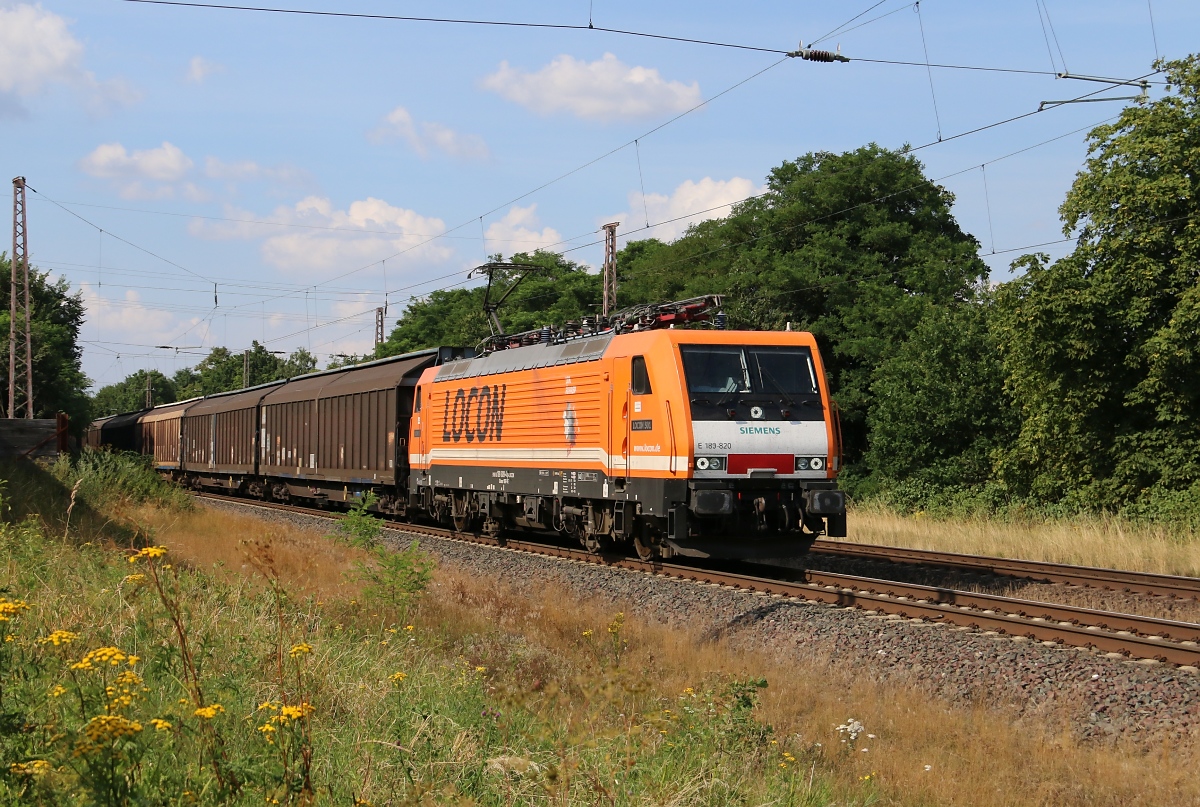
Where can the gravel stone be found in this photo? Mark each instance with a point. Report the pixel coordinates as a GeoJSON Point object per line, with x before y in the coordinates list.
{"type": "Point", "coordinates": [1107, 695]}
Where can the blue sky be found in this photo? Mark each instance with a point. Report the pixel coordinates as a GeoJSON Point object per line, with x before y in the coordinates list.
{"type": "Point", "coordinates": [307, 165]}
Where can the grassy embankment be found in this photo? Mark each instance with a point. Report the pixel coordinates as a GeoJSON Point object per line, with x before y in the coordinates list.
{"type": "Point", "coordinates": [249, 663]}
{"type": "Point", "coordinates": [1085, 540]}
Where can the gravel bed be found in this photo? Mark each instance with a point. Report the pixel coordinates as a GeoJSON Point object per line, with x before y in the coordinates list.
{"type": "Point", "coordinates": [1105, 697]}
{"type": "Point", "coordinates": [1179, 609]}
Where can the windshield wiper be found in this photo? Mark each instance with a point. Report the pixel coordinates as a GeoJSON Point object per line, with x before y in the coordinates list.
{"type": "Point", "coordinates": [767, 375]}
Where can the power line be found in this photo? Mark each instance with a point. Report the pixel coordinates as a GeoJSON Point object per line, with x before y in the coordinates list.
{"type": "Point", "coordinates": [454, 21]}
{"type": "Point", "coordinates": [568, 27]}
{"type": "Point", "coordinates": [847, 22]}
{"type": "Point", "coordinates": [119, 238]}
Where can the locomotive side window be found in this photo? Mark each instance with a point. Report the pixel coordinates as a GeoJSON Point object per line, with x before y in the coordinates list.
{"type": "Point", "coordinates": [639, 378]}
{"type": "Point", "coordinates": [417, 405]}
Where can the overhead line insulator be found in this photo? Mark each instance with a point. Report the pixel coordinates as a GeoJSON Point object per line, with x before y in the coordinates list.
{"type": "Point", "coordinates": [813, 55]}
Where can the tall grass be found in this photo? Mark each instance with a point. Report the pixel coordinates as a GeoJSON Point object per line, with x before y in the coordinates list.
{"type": "Point", "coordinates": [134, 676]}
{"type": "Point", "coordinates": [1086, 540]}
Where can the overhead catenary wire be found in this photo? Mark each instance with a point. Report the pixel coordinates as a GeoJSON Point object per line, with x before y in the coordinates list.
{"type": "Point", "coordinates": [567, 26]}
{"type": "Point", "coordinates": [921, 24]}
{"type": "Point", "coordinates": [1046, 37]}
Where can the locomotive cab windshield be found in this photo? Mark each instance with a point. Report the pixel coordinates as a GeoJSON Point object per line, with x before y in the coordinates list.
{"type": "Point", "coordinates": [724, 378]}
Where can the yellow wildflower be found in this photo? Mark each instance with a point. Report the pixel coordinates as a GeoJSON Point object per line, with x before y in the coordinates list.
{"type": "Point", "coordinates": [267, 731]}
{"type": "Point", "coordinates": [300, 649]}
{"type": "Point", "coordinates": [587, 633]}
{"type": "Point", "coordinates": [410, 628]}
{"type": "Point", "coordinates": [274, 707]}
{"type": "Point", "coordinates": [96, 658]}
{"type": "Point", "coordinates": [59, 637]}
{"type": "Point", "coordinates": [34, 767]}
{"type": "Point", "coordinates": [150, 552]}
{"type": "Point", "coordinates": [481, 670]}
{"type": "Point", "coordinates": [58, 690]}
{"type": "Point", "coordinates": [10, 638]}
{"type": "Point", "coordinates": [160, 724]}
{"type": "Point", "coordinates": [287, 713]}
{"type": "Point", "coordinates": [104, 729]}
{"type": "Point", "coordinates": [397, 677]}
{"type": "Point", "coordinates": [133, 578]}
{"type": "Point", "coordinates": [210, 711]}
{"type": "Point", "coordinates": [10, 608]}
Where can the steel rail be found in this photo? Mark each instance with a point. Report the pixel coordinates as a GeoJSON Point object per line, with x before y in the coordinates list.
{"type": "Point", "coordinates": [1039, 571]}
{"type": "Point", "coordinates": [884, 596]}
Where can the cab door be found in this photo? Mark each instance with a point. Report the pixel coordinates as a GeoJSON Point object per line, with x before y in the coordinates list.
{"type": "Point", "coordinates": [620, 405]}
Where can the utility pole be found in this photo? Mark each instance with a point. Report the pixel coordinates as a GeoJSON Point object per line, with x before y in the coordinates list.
{"type": "Point", "coordinates": [378, 327]}
{"type": "Point", "coordinates": [20, 349]}
{"type": "Point", "coordinates": [609, 272]}
{"type": "Point", "coordinates": [149, 390]}
{"type": "Point", "coordinates": [245, 368]}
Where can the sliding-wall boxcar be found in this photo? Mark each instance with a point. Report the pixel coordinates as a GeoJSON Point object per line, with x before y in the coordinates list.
{"type": "Point", "coordinates": [161, 435]}
{"type": "Point", "coordinates": [220, 439]}
{"type": "Point", "coordinates": [332, 436]}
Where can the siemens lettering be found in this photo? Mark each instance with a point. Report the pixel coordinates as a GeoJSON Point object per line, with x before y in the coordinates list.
{"type": "Point", "coordinates": [760, 430]}
{"type": "Point", "coordinates": [483, 405]}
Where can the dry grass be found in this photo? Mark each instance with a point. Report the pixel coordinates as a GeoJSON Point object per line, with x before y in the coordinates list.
{"type": "Point", "coordinates": [222, 542]}
{"type": "Point", "coordinates": [975, 756]}
{"type": "Point", "coordinates": [1084, 541]}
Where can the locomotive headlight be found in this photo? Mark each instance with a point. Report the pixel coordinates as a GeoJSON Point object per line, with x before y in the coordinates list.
{"type": "Point", "coordinates": [701, 463]}
{"type": "Point", "coordinates": [801, 463]}
{"type": "Point", "coordinates": [810, 463]}
{"type": "Point", "coordinates": [710, 463]}
{"type": "Point", "coordinates": [816, 463]}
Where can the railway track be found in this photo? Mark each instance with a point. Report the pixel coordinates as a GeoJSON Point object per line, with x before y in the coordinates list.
{"type": "Point", "coordinates": [1128, 635]}
{"type": "Point", "coordinates": [1037, 571]}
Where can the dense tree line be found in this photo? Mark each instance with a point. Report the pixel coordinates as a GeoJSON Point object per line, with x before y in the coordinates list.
{"type": "Point", "coordinates": [58, 381]}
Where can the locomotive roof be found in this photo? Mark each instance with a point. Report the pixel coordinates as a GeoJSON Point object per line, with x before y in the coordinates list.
{"type": "Point", "coordinates": [587, 348]}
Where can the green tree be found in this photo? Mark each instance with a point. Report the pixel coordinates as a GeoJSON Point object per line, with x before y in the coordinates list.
{"type": "Point", "coordinates": [940, 411]}
{"type": "Point", "coordinates": [1102, 347]}
{"type": "Point", "coordinates": [562, 291]}
{"type": "Point", "coordinates": [129, 394]}
{"type": "Point", "coordinates": [856, 247]}
{"type": "Point", "coordinates": [224, 370]}
{"type": "Point", "coordinates": [59, 384]}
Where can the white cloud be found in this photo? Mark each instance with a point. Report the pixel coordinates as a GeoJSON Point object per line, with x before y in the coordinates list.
{"type": "Point", "coordinates": [367, 230]}
{"type": "Point", "coordinates": [515, 232]}
{"type": "Point", "coordinates": [599, 90]}
{"type": "Point", "coordinates": [35, 48]}
{"type": "Point", "coordinates": [167, 163]}
{"type": "Point", "coordinates": [714, 197]}
{"type": "Point", "coordinates": [422, 136]}
{"type": "Point", "coordinates": [125, 316]}
{"type": "Point", "coordinates": [200, 68]}
{"type": "Point", "coordinates": [38, 49]}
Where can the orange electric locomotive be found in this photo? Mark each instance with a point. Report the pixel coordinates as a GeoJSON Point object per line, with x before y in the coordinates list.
{"type": "Point", "coordinates": [674, 440]}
